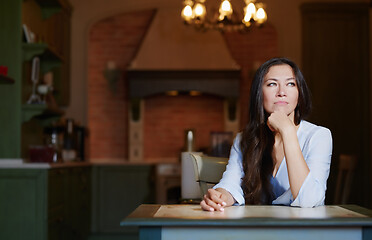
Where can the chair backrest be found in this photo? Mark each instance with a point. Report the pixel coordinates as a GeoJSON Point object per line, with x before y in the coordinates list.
{"type": "Point", "coordinates": [346, 166]}
{"type": "Point", "coordinates": [208, 170]}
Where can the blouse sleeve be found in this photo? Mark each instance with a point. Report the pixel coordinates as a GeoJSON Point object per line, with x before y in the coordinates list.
{"type": "Point", "coordinates": [318, 158]}
{"type": "Point", "coordinates": [232, 177]}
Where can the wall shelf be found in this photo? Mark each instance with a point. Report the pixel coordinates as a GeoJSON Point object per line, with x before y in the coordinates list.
{"type": "Point", "coordinates": [31, 110]}
{"type": "Point", "coordinates": [6, 80]}
{"type": "Point", "coordinates": [47, 66]}
{"type": "Point", "coordinates": [52, 46]}
{"type": "Point", "coordinates": [31, 50]}
{"type": "Point", "coordinates": [49, 58]}
{"type": "Point", "coordinates": [40, 111]}
{"type": "Point", "coordinates": [49, 8]}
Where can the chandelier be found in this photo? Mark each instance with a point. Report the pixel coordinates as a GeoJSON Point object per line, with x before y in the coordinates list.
{"type": "Point", "coordinates": [224, 18]}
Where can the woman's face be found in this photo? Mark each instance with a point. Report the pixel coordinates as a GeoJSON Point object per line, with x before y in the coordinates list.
{"type": "Point", "coordinates": [280, 92]}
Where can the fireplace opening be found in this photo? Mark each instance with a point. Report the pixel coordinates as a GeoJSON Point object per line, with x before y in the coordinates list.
{"type": "Point", "coordinates": [165, 103]}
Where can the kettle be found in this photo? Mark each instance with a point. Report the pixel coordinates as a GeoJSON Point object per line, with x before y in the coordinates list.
{"type": "Point", "coordinates": [53, 137]}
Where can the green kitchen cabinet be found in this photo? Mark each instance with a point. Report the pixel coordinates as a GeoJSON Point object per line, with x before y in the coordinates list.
{"type": "Point", "coordinates": [72, 202]}
{"type": "Point", "coordinates": [45, 204]}
{"type": "Point", "coordinates": [23, 201]}
{"type": "Point", "coordinates": [69, 203]}
{"type": "Point", "coordinates": [116, 191]}
{"type": "Point", "coordinates": [10, 56]}
{"type": "Point", "coordinates": [78, 202]}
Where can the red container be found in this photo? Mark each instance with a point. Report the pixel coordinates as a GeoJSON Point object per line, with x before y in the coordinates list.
{"type": "Point", "coordinates": [41, 153]}
{"type": "Point", "coordinates": [3, 70]}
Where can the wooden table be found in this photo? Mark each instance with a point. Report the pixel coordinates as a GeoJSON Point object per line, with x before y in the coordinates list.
{"type": "Point", "coordinates": [170, 222]}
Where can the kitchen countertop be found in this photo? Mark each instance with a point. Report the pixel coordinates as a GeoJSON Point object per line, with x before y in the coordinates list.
{"type": "Point", "coordinates": [20, 163]}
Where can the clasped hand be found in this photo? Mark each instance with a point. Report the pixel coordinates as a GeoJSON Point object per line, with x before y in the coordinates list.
{"type": "Point", "coordinates": [216, 200]}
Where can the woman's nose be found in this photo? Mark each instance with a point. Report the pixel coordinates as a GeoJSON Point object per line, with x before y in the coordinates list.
{"type": "Point", "coordinates": [281, 92]}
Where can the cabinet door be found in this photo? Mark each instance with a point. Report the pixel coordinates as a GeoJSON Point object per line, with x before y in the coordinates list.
{"type": "Point", "coordinates": [69, 203]}
{"type": "Point", "coordinates": [77, 202]}
{"type": "Point", "coordinates": [23, 204]}
{"type": "Point", "coordinates": [58, 227]}
{"type": "Point", "coordinates": [118, 191]}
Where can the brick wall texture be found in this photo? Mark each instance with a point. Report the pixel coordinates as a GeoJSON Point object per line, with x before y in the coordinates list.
{"type": "Point", "coordinates": [167, 117]}
{"type": "Point", "coordinates": [117, 39]}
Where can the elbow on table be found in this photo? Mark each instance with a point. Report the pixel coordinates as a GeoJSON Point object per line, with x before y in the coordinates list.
{"type": "Point", "coordinates": [310, 201]}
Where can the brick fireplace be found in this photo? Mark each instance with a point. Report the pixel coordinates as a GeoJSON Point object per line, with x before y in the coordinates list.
{"type": "Point", "coordinates": [163, 104]}
{"type": "Point", "coordinates": [122, 114]}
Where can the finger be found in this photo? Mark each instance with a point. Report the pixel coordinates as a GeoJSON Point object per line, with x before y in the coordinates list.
{"type": "Point", "coordinates": [206, 207]}
{"type": "Point", "coordinates": [217, 197]}
{"type": "Point", "coordinates": [270, 127]}
{"type": "Point", "coordinates": [213, 206]}
{"type": "Point", "coordinates": [215, 201]}
{"type": "Point", "coordinates": [211, 203]}
{"type": "Point", "coordinates": [269, 123]}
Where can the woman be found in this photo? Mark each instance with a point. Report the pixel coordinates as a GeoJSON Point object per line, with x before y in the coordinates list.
{"type": "Point", "coordinates": [279, 158]}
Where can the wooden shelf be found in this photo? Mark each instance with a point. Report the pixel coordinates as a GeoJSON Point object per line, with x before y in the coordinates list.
{"type": "Point", "coordinates": [31, 110]}
{"type": "Point", "coordinates": [49, 58]}
{"type": "Point", "coordinates": [31, 50]}
{"type": "Point", "coordinates": [6, 80]}
{"type": "Point", "coordinates": [49, 8]}
{"type": "Point", "coordinates": [40, 111]}
{"type": "Point", "coordinates": [49, 3]}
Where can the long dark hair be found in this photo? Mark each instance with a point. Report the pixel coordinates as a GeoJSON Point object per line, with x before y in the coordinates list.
{"type": "Point", "coordinates": [257, 139]}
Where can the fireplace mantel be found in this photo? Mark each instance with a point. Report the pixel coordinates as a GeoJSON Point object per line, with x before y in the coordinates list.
{"type": "Point", "coordinates": [144, 83]}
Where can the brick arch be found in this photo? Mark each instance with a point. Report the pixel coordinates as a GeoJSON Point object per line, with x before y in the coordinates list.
{"type": "Point", "coordinates": [250, 49]}
{"type": "Point", "coordinates": [116, 39]}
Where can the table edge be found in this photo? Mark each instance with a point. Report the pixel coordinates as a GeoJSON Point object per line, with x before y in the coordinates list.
{"type": "Point", "coordinates": [142, 216]}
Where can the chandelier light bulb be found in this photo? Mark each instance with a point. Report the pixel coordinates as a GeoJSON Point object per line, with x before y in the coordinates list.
{"type": "Point", "coordinates": [249, 13]}
{"type": "Point", "coordinates": [187, 13]}
{"type": "Point", "coordinates": [251, 9]}
{"type": "Point", "coordinates": [199, 10]}
{"type": "Point", "coordinates": [226, 6]}
{"type": "Point", "coordinates": [261, 16]}
{"type": "Point", "coordinates": [225, 10]}
{"type": "Point", "coordinates": [247, 19]}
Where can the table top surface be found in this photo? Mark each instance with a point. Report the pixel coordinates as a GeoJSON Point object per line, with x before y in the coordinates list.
{"type": "Point", "coordinates": [261, 215]}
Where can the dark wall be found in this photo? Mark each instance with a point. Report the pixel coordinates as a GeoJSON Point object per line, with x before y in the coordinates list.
{"type": "Point", "coordinates": [335, 64]}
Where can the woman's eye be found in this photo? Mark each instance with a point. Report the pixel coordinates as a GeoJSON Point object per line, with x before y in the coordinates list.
{"type": "Point", "coordinates": [292, 84]}
{"type": "Point", "coordinates": [271, 84]}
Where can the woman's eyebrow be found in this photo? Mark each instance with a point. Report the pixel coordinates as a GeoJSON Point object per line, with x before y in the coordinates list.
{"type": "Point", "coordinates": [272, 79]}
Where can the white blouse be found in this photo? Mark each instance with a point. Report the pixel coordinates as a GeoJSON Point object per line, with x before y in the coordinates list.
{"type": "Point", "coordinates": [316, 146]}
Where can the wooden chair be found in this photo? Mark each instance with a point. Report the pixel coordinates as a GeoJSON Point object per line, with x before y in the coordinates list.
{"type": "Point", "coordinates": [346, 166]}
{"type": "Point", "coordinates": [208, 170]}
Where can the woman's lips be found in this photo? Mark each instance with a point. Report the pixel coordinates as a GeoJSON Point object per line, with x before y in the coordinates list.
{"type": "Point", "coordinates": [281, 103]}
